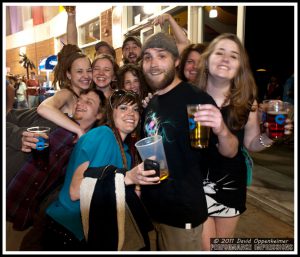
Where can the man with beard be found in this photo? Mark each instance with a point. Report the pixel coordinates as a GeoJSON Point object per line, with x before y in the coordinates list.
{"type": "Point", "coordinates": [29, 184]}
{"type": "Point", "coordinates": [131, 50]}
{"type": "Point", "coordinates": [177, 205]}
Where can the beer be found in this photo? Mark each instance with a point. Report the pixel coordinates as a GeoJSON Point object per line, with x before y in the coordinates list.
{"type": "Point", "coordinates": [164, 174]}
{"type": "Point", "coordinates": [276, 122]}
{"type": "Point", "coordinates": [199, 135]}
{"type": "Point", "coordinates": [151, 150]}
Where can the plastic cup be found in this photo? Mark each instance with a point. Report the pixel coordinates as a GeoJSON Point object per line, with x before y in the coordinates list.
{"type": "Point", "coordinates": [39, 132]}
{"type": "Point", "coordinates": [41, 153]}
{"type": "Point", "coordinates": [153, 148]}
{"type": "Point", "coordinates": [277, 112]}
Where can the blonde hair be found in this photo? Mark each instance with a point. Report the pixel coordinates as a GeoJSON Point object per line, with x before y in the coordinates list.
{"type": "Point", "coordinates": [115, 66]}
{"type": "Point", "coordinates": [243, 90]}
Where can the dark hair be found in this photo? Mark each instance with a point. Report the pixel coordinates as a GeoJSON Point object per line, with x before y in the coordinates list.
{"type": "Point", "coordinates": [102, 105]}
{"type": "Point", "coordinates": [199, 48]}
{"type": "Point", "coordinates": [117, 98]}
{"type": "Point", "coordinates": [137, 72]}
{"type": "Point", "coordinates": [104, 43]}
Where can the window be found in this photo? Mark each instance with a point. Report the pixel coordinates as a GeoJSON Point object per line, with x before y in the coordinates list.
{"type": "Point", "coordinates": [89, 32]}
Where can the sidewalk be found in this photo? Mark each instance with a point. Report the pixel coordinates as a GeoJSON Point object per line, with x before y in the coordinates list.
{"type": "Point", "coordinates": [273, 182]}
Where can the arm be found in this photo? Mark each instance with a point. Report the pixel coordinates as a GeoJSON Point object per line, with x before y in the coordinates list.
{"type": "Point", "coordinates": [252, 133]}
{"type": "Point", "coordinates": [179, 35]}
{"type": "Point", "coordinates": [52, 107]}
{"type": "Point", "coordinates": [13, 131]}
{"type": "Point", "coordinates": [209, 115]}
{"type": "Point", "coordinates": [72, 34]}
{"type": "Point", "coordinates": [10, 97]}
{"type": "Point", "coordinates": [137, 175]}
{"type": "Point", "coordinates": [76, 181]}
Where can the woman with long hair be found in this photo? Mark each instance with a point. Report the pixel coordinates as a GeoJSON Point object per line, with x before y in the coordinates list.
{"type": "Point", "coordinates": [225, 74]}
{"type": "Point", "coordinates": [72, 74]}
{"type": "Point", "coordinates": [103, 146]}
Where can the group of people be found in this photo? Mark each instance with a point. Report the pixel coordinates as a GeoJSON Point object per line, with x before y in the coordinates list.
{"type": "Point", "coordinates": [22, 93]}
{"type": "Point", "coordinates": [97, 116]}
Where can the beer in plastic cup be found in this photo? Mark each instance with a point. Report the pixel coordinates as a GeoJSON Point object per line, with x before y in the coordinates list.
{"type": "Point", "coordinates": [153, 148]}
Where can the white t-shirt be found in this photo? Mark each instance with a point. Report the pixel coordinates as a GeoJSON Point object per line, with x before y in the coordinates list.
{"type": "Point", "coordinates": [21, 92]}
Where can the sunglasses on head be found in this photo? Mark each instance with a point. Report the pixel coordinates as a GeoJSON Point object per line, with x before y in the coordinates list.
{"type": "Point", "coordinates": [119, 93]}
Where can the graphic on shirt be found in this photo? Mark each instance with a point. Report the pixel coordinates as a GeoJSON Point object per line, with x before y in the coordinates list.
{"type": "Point", "coordinates": [212, 188]}
{"type": "Point", "coordinates": [218, 209]}
{"type": "Point", "coordinates": [153, 126]}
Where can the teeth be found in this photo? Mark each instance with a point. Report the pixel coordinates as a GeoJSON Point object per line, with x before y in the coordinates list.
{"type": "Point", "coordinates": [155, 73]}
{"type": "Point", "coordinates": [223, 67]}
{"type": "Point", "coordinates": [130, 121]}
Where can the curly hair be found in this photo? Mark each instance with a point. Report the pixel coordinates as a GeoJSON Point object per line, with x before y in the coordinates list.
{"type": "Point", "coordinates": [243, 91]}
{"type": "Point", "coordinates": [65, 58]}
{"type": "Point", "coordinates": [137, 72]}
{"type": "Point", "coordinates": [199, 48]}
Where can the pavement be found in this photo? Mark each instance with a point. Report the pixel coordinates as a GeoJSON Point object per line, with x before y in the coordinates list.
{"type": "Point", "coordinates": [271, 197]}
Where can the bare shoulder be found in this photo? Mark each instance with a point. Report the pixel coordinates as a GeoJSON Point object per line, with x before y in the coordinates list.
{"type": "Point", "coordinates": [65, 92]}
{"type": "Point", "coordinates": [63, 97]}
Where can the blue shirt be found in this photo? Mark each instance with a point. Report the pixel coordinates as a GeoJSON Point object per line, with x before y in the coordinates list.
{"type": "Point", "coordinates": [100, 147]}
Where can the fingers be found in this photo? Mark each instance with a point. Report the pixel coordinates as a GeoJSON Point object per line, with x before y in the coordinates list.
{"type": "Point", "coordinates": [26, 149]}
{"type": "Point", "coordinates": [146, 101]}
{"type": "Point", "coordinates": [158, 20]}
{"type": "Point", "coordinates": [29, 141]}
{"type": "Point", "coordinates": [207, 112]}
{"type": "Point", "coordinates": [144, 176]}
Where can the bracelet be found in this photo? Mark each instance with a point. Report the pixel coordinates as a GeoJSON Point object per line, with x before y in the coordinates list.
{"type": "Point", "coordinates": [262, 142]}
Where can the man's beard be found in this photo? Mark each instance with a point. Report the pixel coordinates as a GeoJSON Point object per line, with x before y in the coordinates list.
{"type": "Point", "coordinates": [159, 85]}
{"type": "Point", "coordinates": [77, 116]}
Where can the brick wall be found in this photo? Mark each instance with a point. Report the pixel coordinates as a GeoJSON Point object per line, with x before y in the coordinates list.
{"type": "Point", "coordinates": [35, 52]}
{"type": "Point", "coordinates": [106, 31]}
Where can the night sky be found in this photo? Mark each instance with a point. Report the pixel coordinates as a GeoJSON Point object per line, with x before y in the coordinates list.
{"type": "Point", "coordinates": [269, 40]}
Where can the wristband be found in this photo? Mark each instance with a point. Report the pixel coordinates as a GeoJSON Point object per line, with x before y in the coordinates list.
{"type": "Point", "coordinates": [262, 142]}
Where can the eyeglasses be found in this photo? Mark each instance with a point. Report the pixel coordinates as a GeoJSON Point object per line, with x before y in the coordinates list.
{"type": "Point", "coordinates": [121, 93]}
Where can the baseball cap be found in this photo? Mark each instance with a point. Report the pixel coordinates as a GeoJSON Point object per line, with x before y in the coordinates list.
{"type": "Point", "coordinates": [132, 38]}
{"type": "Point", "coordinates": [104, 43]}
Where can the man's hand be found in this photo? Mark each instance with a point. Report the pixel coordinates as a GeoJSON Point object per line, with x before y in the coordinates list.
{"type": "Point", "coordinates": [29, 141]}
